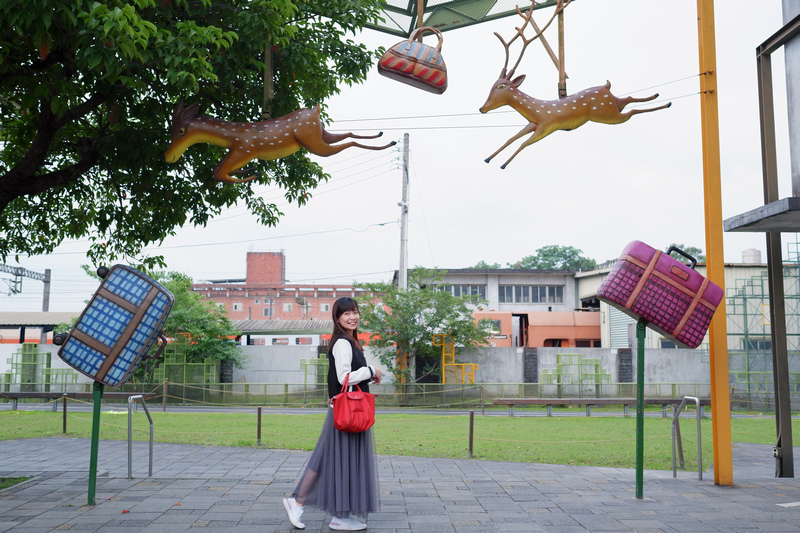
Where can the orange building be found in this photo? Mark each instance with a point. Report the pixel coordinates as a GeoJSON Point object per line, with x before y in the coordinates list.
{"type": "Point", "coordinates": [562, 329]}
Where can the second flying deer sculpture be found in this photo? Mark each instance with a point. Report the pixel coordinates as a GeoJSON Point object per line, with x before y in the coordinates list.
{"type": "Point", "coordinates": [595, 104]}
{"type": "Point", "coordinates": [268, 139]}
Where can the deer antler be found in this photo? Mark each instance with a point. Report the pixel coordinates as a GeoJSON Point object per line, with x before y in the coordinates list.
{"type": "Point", "coordinates": [521, 33]}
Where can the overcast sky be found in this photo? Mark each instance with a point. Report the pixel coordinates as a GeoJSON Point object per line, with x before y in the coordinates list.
{"type": "Point", "coordinates": [595, 188]}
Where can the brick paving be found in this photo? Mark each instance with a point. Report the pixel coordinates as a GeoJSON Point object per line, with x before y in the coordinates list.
{"type": "Point", "coordinates": [204, 488]}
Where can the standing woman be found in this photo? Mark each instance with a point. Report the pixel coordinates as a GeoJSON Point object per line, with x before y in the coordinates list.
{"type": "Point", "coordinates": [341, 476]}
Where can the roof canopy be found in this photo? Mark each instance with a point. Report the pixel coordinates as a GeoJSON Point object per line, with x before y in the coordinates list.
{"type": "Point", "coordinates": [400, 16]}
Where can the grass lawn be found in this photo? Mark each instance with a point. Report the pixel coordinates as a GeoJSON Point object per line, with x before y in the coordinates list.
{"type": "Point", "coordinates": [597, 441]}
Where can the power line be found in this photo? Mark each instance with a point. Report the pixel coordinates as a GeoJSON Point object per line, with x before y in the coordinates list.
{"type": "Point", "coordinates": [270, 238]}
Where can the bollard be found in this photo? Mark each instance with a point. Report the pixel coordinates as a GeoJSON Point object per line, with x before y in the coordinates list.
{"type": "Point", "coordinates": [471, 431]}
{"type": "Point", "coordinates": [258, 431]}
{"type": "Point", "coordinates": [64, 414]}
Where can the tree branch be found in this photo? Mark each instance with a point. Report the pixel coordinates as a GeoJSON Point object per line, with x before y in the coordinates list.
{"type": "Point", "coordinates": [22, 180]}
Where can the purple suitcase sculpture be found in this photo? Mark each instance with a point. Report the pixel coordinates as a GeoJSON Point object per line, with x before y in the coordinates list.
{"type": "Point", "coordinates": [673, 298]}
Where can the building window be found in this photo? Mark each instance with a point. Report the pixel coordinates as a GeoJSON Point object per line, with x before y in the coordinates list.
{"type": "Point", "coordinates": [287, 308]}
{"type": "Point", "coordinates": [268, 312]}
{"type": "Point", "coordinates": [755, 344]}
{"type": "Point", "coordinates": [258, 301]}
{"type": "Point", "coordinates": [667, 344]}
{"type": "Point", "coordinates": [237, 306]}
{"type": "Point", "coordinates": [523, 294]}
{"type": "Point", "coordinates": [325, 308]}
{"type": "Point", "coordinates": [465, 290]}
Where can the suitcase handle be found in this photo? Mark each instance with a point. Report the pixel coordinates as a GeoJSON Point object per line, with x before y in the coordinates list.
{"type": "Point", "coordinates": [161, 346]}
{"type": "Point", "coordinates": [684, 254]}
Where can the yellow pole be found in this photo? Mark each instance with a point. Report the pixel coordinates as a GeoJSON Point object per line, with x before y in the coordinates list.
{"type": "Point", "coordinates": [720, 401]}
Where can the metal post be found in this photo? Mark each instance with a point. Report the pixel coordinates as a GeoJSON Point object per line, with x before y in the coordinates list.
{"type": "Point", "coordinates": [164, 395]}
{"type": "Point", "coordinates": [258, 431]}
{"type": "Point", "coordinates": [640, 336]}
{"type": "Point", "coordinates": [471, 431]}
{"type": "Point", "coordinates": [97, 397]}
{"type": "Point", "coordinates": [715, 267]}
{"type": "Point", "coordinates": [64, 414]}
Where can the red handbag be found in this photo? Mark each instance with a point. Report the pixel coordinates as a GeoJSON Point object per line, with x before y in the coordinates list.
{"type": "Point", "coordinates": [353, 411]}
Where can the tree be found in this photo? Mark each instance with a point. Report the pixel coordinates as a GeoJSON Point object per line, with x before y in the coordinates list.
{"type": "Point", "coordinates": [205, 329]}
{"type": "Point", "coordinates": [404, 321]}
{"type": "Point", "coordinates": [485, 265]}
{"type": "Point", "coordinates": [695, 252]}
{"type": "Point", "coordinates": [555, 257]}
{"type": "Point", "coordinates": [87, 90]}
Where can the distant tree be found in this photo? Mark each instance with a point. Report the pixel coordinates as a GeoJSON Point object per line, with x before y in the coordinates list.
{"type": "Point", "coordinates": [404, 321]}
{"type": "Point", "coordinates": [205, 325]}
{"type": "Point", "coordinates": [695, 252]}
{"type": "Point", "coordinates": [484, 264]}
{"type": "Point", "coordinates": [555, 257]}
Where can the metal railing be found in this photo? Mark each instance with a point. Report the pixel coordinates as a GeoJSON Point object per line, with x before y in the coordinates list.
{"type": "Point", "coordinates": [131, 401]}
{"type": "Point", "coordinates": [676, 437]}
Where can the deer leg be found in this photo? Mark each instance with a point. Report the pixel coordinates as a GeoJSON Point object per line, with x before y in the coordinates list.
{"type": "Point", "coordinates": [622, 102]}
{"type": "Point", "coordinates": [637, 111]}
{"type": "Point", "coordinates": [524, 131]}
{"type": "Point", "coordinates": [331, 138]}
{"type": "Point", "coordinates": [538, 135]}
{"type": "Point", "coordinates": [230, 164]}
{"type": "Point", "coordinates": [324, 150]}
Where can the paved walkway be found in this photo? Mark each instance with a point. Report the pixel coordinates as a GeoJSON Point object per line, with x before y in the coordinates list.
{"type": "Point", "coordinates": [200, 488]}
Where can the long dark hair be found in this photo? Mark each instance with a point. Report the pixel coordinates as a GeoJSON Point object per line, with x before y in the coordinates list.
{"type": "Point", "coordinates": [340, 306]}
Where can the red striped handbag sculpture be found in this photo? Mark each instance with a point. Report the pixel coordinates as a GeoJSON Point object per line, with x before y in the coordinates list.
{"type": "Point", "coordinates": [673, 298]}
{"type": "Point", "coordinates": [415, 63]}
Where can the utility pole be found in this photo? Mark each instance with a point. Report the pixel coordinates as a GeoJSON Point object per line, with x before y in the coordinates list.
{"type": "Point", "coordinates": [403, 273]}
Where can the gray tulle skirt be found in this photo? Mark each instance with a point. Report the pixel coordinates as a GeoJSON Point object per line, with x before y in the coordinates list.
{"type": "Point", "coordinates": [341, 476]}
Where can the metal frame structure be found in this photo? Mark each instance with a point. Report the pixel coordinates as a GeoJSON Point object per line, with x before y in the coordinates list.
{"type": "Point", "coordinates": [776, 216]}
{"type": "Point", "coordinates": [401, 17]}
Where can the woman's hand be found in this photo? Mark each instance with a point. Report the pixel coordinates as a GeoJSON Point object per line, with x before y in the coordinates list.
{"type": "Point", "coordinates": [377, 377]}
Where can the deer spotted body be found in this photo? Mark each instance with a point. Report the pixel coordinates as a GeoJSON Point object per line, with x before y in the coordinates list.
{"type": "Point", "coordinates": [595, 104]}
{"type": "Point", "coordinates": [266, 139]}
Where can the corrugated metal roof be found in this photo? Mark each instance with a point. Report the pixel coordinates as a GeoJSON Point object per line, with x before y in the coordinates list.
{"type": "Point", "coordinates": [35, 319]}
{"type": "Point", "coordinates": [266, 327]}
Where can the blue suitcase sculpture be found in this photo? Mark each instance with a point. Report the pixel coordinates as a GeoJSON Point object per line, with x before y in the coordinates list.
{"type": "Point", "coordinates": [118, 327]}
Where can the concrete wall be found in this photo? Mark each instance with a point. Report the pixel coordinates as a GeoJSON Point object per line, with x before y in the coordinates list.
{"type": "Point", "coordinates": [505, 365]}
{"type": "Point", "coordinates": [282, 364]}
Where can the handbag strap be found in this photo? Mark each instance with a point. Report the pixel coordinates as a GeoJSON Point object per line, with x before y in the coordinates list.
{"type": "Point", "coordinates": [420, 31]}
{"type": "Point", "coordinates": [346, 383]}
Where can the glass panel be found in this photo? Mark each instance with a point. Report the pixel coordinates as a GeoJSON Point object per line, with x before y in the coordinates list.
{"type": "Point", "coordinates": [559, 294]}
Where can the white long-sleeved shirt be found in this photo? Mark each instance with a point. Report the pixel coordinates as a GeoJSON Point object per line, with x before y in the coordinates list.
{"type": "Point", "coordinates": [343, 358]}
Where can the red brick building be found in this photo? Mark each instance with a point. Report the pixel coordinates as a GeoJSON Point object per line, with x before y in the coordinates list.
{"type": "Point", "coordinates": [265, 295]}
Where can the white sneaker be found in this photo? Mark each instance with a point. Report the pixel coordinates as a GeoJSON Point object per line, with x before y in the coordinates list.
{"type": "Point", "coordinates": [294, 511]}
{"type": "Point", "coordinates": [347, 524]}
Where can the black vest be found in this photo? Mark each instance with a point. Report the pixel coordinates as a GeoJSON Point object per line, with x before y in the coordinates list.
{"type": "Point", "coordinates": [334, 387]}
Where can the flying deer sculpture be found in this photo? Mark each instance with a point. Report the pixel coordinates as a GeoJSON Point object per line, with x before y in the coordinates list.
{"type": "Point", "coordinates": [268, 139]}
{"type": "Point", "coordinates": [595, 104]}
